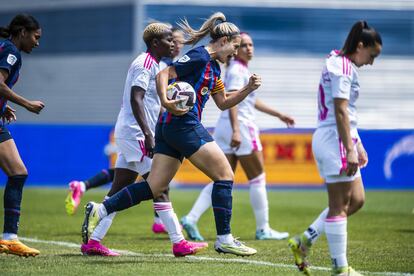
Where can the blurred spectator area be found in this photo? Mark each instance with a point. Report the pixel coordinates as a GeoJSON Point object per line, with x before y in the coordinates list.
{"type": "Point", "coordinates": [80, 68]}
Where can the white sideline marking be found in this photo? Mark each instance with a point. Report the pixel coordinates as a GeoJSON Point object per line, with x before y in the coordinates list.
{"type": "Point", "coordinates": [199, 258]}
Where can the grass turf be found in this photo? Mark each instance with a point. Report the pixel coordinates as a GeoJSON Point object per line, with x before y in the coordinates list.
{"type": "Point", "coordinates": [379, 236]}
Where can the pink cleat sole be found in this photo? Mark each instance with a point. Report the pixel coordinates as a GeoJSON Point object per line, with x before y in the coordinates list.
{"type": "Point", "coordinates": [95, 248]}
{"type": "Point", "coordinates": [184, 248]}
{"type": "Point", "coordinates": [159, 228]}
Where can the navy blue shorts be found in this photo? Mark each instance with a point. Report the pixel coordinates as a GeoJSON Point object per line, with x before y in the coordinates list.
{"type": "Point", "coordinates": [180, 140]}
{"type": "Point", "coordinates": [4, 134]}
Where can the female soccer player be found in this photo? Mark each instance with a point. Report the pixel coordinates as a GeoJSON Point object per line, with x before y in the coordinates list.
{"type": "Point", "coordinates": [237, 135]}
{"type": "Point", "coordinates": [134, 137]}
{"type": "Point", "coordinates": [337, 147]}
{"type": "Point", "coordinates": [22, 34]}
{"type": "Point", "coordinates": [78, 188]}
{"type": "Point", "coordinates": [179, 132]}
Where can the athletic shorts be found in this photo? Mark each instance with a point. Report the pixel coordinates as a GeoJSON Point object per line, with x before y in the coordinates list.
{"type": "Point", "coordinates": [180, 140]}
{"type": "Point", "coordinates": [131, 156]}
{"type": "Point", "coordinates": [330, 154]}
{"type": "Point", "coordinates": [250, 140]}
{"type": "Point", "coordinates": [4, 134]}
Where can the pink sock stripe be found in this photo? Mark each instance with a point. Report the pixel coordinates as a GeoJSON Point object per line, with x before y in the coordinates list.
{"type": "Point", "coordinates": [164, 206]}
{"type": "Point", "coordinates": [335, 219]}
{"type": "Point", "coordinates": [258, 179]}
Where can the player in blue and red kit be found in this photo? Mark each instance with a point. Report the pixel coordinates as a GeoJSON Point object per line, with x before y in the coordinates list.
{"type": "Point", "coordinates": [179, 132]}
{"type": "Point", "coordinates": [22, 34]}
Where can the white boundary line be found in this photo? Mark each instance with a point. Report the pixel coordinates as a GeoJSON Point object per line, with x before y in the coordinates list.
{"type": "Point", "coordinates": [199, 258]}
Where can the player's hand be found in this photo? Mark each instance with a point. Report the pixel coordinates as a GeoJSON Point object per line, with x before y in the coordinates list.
{"type": "Point", "coordinates": [254, 82]}
{"type": "Point", "coordinates": [289, 121]}
{"type": "Point", "coordinates": [9, 115]}
{"type": "Point", "coordinates": [171, 106]}
{"type": "Point", "coordinates": [235, 140]}
{"type": "Point", "coordinates": [352, 163]}
{"type": "Point", "coordinates": [35, 106]}
{"type": "Point", "coordinates": [362, 155]}
{"type": "Point", "coordinates": [149, 145]}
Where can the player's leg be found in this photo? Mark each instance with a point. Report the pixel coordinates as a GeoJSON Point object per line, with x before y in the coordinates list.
{"type": "Point", "coordinates": [78, 188]}
{"type": "Point", "coordinates": [253, 167]}
{"type": "Point", "coordinates": [222, 175]}
{"type": "Point", "coordinates": [12, 165]}
{"type": "Point", "coordinates": [203, 202]}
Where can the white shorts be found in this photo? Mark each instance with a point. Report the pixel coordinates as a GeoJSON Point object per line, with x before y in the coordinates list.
{"type": "Point", "coordinates": [131, 156]}
{"type": "Point", "coordinates": [330, 154]}
{"type": "Point", "coordinates": [250, 140]}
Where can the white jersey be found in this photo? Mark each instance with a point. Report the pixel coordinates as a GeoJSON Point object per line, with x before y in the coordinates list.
{"type": "Point", "coordinates": [339, 80]}
{"type": "Point", "coordinates": [236, 77]}
{"type": "Point", "coordinates": [142, 73]}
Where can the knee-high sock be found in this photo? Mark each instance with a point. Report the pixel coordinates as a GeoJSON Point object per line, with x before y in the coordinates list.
{"type": "Point", "coordinates": [202, 203]}
{"type": "Point", "coordinates": [12, 202]}
{"type": "Point", "coordinates": [168, 217]}
{"type": "Point", "coordinates": [317, 228]}
{"type": "Point", "coordinates": [128, 197]}
{"type": "Point", "coordinates": [336, 234]}
{"type": "Point", "coordinates": [221, 199]}
{"type": "Point", "coordinates": [102, 228]}
{"type": "Point", "coordinates": [102, 178]}
{"type": "Point", "coordinates": [258, 199]}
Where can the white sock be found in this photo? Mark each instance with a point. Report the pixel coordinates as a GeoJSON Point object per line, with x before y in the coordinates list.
{"type": "Point", "coordinates": [102, 228]}
{"type": "Point", "coordinates": [336, 234]}
{"type": "Point", "coordinates": [170, 220]}
{"type": "Point", "coordinates": [202, 203]}
{"type": "Point", "coordinates": [228, 238]}
{"type": "Point", "coordinates": [9, 236]}
{"type": "Point", "coordinates": [317, 227]}
{"type": "Point", "coordinates": [82, 186]}
{"type": "Point", "coordinates": [258, 199]}
{"type": "Point", "coordinates": [102, 210]}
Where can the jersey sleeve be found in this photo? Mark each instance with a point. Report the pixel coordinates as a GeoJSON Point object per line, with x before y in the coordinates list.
{"type": "Point", "coordinates": [341, 79]}
{"type": "Point", "coordinates": [219, 87]}
{"type": "Point", "coordinates": [140, 77]}
{"type": "Point", "coordinates": [8, 59]}
{"type": "Point", "coordinates": [233, 79]}
{"type": "Point", "coordinates": [190, 62]}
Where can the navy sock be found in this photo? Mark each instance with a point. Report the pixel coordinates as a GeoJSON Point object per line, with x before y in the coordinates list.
{"type": "Point", "coordinates": [102, 178]}
{"type": "Point", "coordinates": [12, 201]}
{"type": "Point", "coordinates": [128, 197]}
{"type": "Point", "coordinates": [222, 201]}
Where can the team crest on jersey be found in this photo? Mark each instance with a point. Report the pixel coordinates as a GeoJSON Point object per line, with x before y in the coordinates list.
{"type": "Point", "coordinates": [204, 90]}
{"type": "Point", "coordinates": [184, 58]}
{"type": "Point", "coordinates": [11, 59]}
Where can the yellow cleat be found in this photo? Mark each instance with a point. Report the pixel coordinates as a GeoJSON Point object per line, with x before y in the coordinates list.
{"type": "Point", "coordinates": [16, 247]}
{"type": "Point", "coordinates": [345, 271]}
{"type": "Point", "coordinates": [300, 249]}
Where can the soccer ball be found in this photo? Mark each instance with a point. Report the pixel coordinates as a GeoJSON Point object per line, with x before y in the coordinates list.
{"type": "Point", "coordinates": [182, 90]}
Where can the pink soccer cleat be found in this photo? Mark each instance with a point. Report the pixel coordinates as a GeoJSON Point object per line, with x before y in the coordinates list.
{"type": "Point", "coordinates": [95, 248]}
{"type": "Point", "coordinates": [159, 228]}
{"type": "Point", "coordinates": [74, 197]}
{"type": "Point", "coordinates": [185, 247]}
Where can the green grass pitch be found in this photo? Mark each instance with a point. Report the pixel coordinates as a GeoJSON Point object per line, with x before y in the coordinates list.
{"type": "Point", "coordinates": [380, 237]}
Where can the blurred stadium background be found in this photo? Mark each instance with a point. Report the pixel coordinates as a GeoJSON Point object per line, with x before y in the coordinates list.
{"type": "Point", "coordinates": [87, 45]}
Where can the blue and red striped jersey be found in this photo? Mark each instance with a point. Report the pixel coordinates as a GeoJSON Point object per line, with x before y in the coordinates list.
{"type": "Point", "coordinates": [198, 69]}
{"type": "Point", "coordinates": [10, 61]}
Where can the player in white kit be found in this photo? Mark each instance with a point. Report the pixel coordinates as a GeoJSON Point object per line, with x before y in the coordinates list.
{"type": "Point", "coordinates": [134, 137]}
{"type": "Point", "coordinates": [338, 149]}
{"type": "Point", "coordinates": [237, 135]}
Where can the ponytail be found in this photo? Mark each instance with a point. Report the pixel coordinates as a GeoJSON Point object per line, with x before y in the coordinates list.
{"type": "Point", "coordinates": [4, 32]}
{"type": "Point", "coordinates": [216, 26]}
{"type": "Point", "coordinates": [360, 32]}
